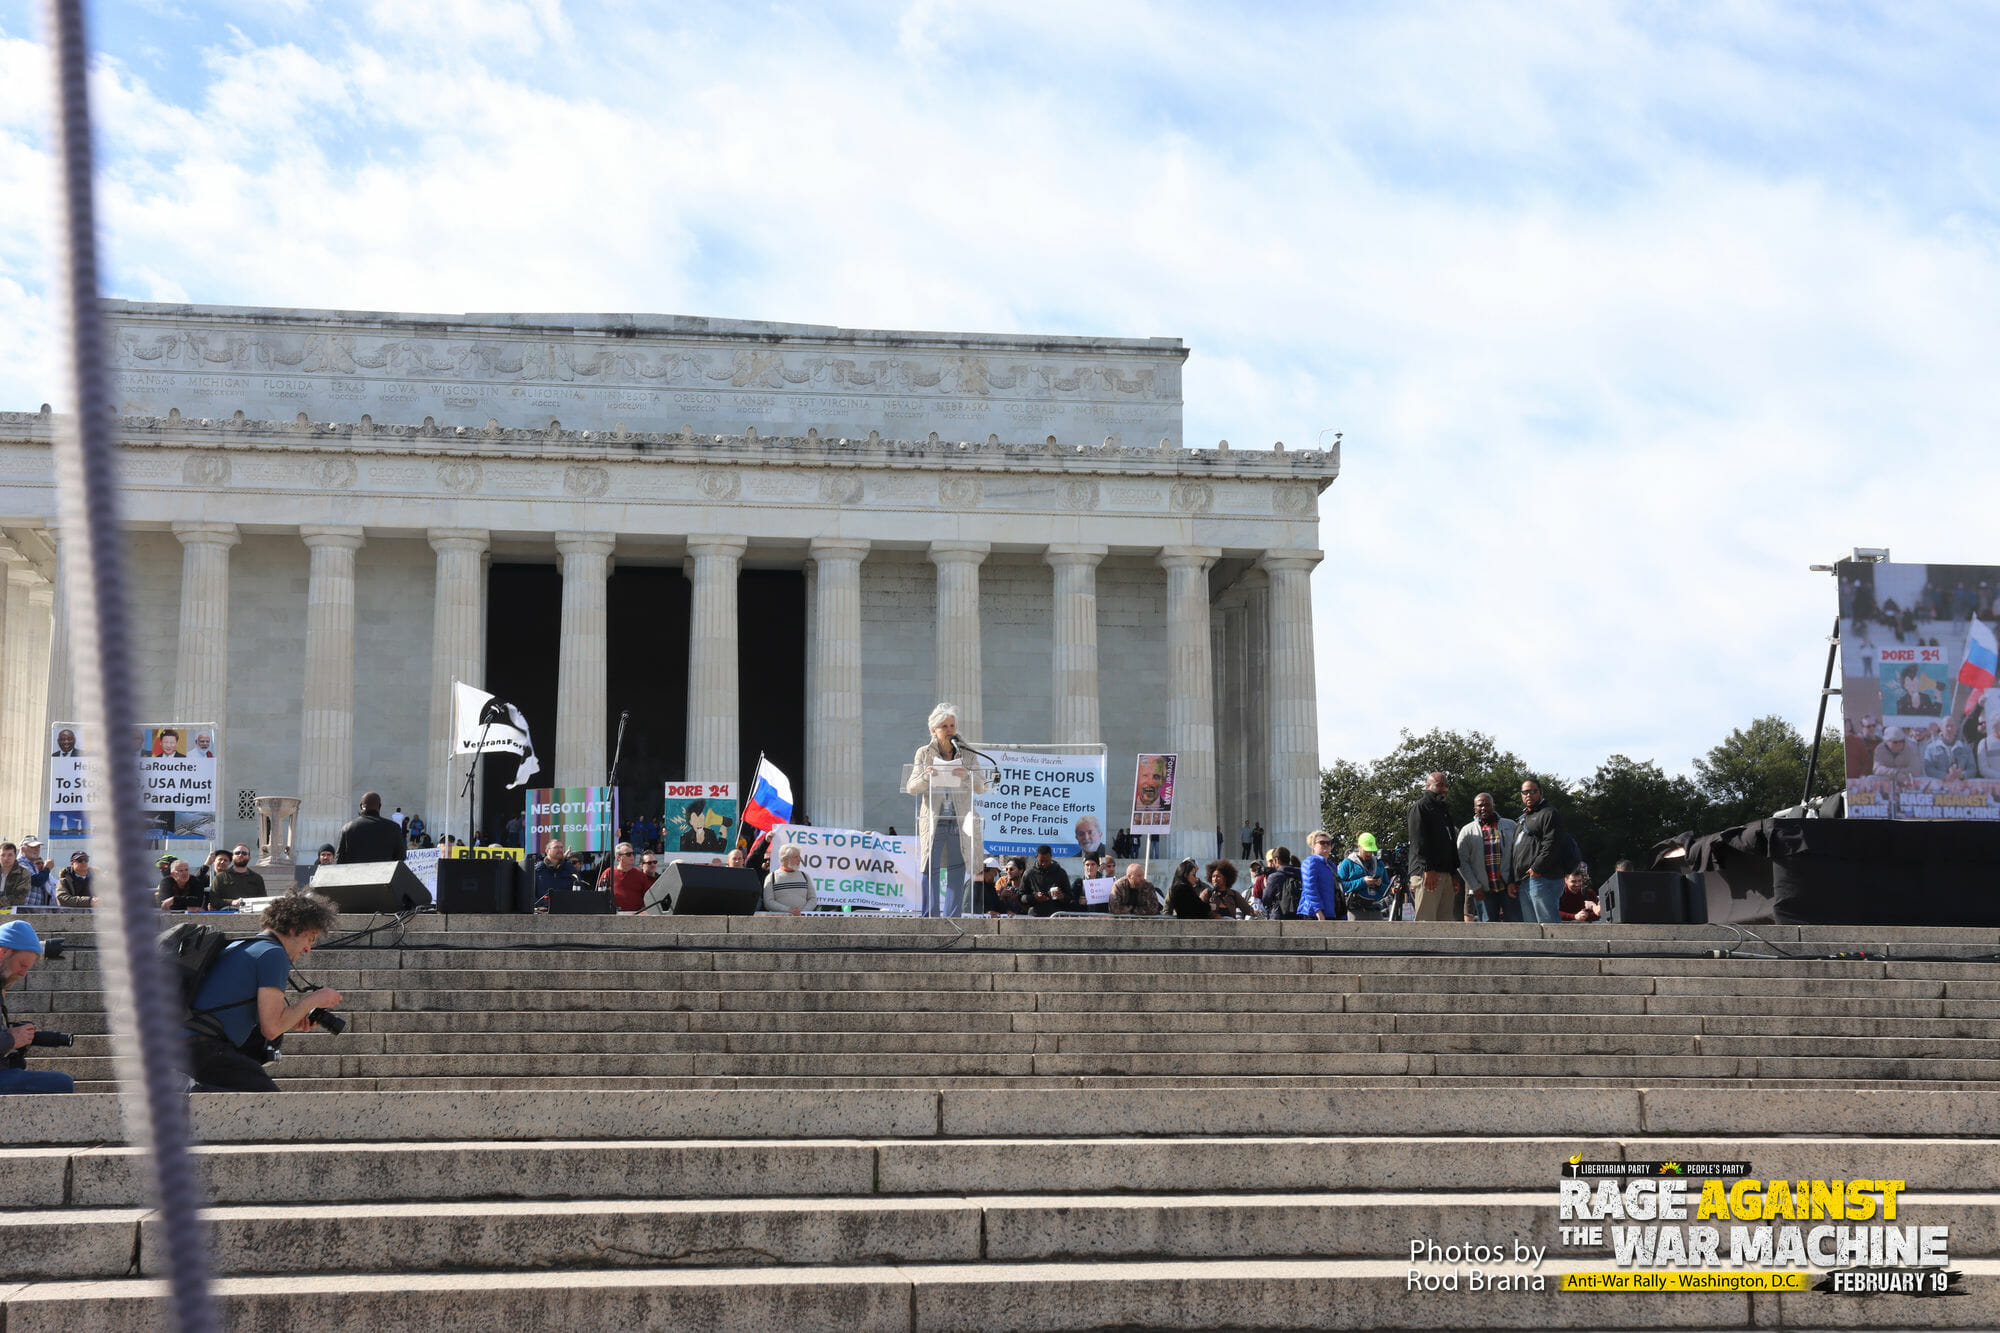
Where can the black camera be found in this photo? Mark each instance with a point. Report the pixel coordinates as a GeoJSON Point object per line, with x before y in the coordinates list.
{"type": "Point", "coordinates": [326, 1020]}
{"type": "Point", "coordinates": [52, 949]}
{"type": "Point", "coordinates": [44, 1037]}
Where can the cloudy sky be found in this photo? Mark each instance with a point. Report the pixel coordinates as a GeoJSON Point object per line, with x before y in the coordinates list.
{"type": "Point", "coordinates": [1627, 315]}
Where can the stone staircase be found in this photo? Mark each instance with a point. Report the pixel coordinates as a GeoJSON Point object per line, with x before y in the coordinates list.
{"type": "Point", "coordinates": [1067, 1124]}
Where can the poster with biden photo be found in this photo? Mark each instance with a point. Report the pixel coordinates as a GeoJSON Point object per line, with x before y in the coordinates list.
{"type": "Point", "coordinates": [1153, 794]}
{"type": "Point", "coordinates": [1918, 659]}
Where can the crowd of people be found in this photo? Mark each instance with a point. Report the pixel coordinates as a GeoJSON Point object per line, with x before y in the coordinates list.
{"type": "Point", "coordinates": [1492, 869]}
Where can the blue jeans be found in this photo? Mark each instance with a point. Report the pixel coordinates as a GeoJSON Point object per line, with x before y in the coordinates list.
{"type": "Point", "coordinates": [35, 1080]}
{"type": "Point", "coordinates": [1541, 898]}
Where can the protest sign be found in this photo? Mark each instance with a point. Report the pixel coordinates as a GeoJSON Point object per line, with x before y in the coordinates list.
{"type": "Point", "coordinates": [176, 780]}
{"type": "Point", "coordinates": [1097, 892]}
{"type": "Point", "coordinates": [1044, 797]}
{"type": "Point", "coordinates": [698, 818]}
{"type": "Point", "coordinates": [585, 818]}
{"type": "Point", "coordinates": [423, 863]}
{"type": "Point", "coordinates": [855, 867]}
{"type": "Point", "coordinates": [1153, 794]}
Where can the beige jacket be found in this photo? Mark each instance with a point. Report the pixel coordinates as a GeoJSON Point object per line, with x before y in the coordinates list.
{"type": "Point", "coordinates": [971, 836]}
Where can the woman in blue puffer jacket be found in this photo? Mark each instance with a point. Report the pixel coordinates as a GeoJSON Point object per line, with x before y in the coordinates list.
{"type": "Point", "coordinates": [1317, 894]}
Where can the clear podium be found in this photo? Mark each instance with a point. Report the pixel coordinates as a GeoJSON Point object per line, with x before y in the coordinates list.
{"type": "Point", "coordinates": [945, 794]}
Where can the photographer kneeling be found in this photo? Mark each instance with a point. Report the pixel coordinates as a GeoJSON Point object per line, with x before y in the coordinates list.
{"type": "Point", "coordinates": [240, 1009]}
{"type": "Point", "coordinates": [20, 950]}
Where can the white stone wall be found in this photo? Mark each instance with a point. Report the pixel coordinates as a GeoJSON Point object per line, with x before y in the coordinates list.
{"type": "Point", "coordinates": [267, 633]}
{"type": "Point", "coordinates": [154, 594]}
{"type": "Point", "coordinates": [1017, 634]}
{"type": "Point", "coordinates": [394, 590]}
{"type": "Point", "coordinates": [898, 611]}
{"type": "Point", "coordinates": [1131, 672]}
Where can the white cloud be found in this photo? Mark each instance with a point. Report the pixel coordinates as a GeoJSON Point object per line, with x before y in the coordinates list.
{"type": "Point", "coordinates": [1626, 316]}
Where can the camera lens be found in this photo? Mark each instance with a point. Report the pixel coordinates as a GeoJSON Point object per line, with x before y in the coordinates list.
{"type": "Point", "coordinates": [44, 1037]}
{"type": "Point", "coordinates": [52, 948]}
{"type": "Point", "coordinates": [329, 1021]}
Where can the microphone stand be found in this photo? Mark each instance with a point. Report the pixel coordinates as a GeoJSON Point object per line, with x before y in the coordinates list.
{"type": "Point", "coordinates": [471, 773]}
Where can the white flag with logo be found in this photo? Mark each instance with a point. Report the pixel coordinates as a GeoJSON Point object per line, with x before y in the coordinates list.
{"type": "Point", "coordinates": [484, 724]}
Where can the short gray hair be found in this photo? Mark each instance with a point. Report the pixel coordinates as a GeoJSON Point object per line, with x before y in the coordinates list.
{"type": "Point", "coordinates": [940, 713]}
{"type": "Point", "coordinates": [790, 851]}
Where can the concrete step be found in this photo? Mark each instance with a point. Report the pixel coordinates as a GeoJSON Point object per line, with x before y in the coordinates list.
{"type": "Point", "coordinates": [651, 1169]}
{"type": "Point", "coordinates": [582, 1234]}
{"type": "Point", "coordinates": [1351, 1107]}
{"type": "Point", "coordinates": [1001, 1297]}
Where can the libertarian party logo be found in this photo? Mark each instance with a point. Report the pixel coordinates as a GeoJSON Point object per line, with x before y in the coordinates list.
{"type": "Point", "coordinates": [1713, 1226]}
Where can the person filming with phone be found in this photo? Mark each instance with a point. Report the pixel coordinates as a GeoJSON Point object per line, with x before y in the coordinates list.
{"type": "Point", "coordinates": [239, 1014]}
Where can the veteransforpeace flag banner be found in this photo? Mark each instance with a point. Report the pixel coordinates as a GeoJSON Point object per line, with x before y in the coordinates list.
{"type": "Point", "coordinates": [482, 724]}
{"type": "Point", "coordinates": [699, 816]}
{"type": "Point", "coordinates": [855, 867]}
{"type": "Point", "coordinates": [585, 818]}
{"type": "Point", "coordinates": [1044, 796]}
{"type": "Point", "coordinates": [176, 780]}
{"type": "Point", "coordinates": [1153, 794]}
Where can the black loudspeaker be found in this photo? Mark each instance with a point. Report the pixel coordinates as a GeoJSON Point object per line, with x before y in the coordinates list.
{"type": "Point", "coordinates": [479, 886]}
{"type": "Point", "coordinates": [582, 902]}
{"type": "Point", "coordinates": [371, 886]}
{"type": "Point", "coordinates": [696, 890]}
{"type": "Point", "coordinates": [1655, 897]}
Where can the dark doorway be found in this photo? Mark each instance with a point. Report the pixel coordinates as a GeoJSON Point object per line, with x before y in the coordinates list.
{"type": "Point", "coordinates": [647, 643]}
{"type": "Point", "coordinates": [648, 613]}
{"type": "Point", "coordinates": [771, 674]}
{"type": "Point", "coordinates": [523, 632]}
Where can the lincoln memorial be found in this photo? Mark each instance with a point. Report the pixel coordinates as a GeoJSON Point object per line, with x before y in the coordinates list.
{"type": "Point", "coordinates": [750, 538]}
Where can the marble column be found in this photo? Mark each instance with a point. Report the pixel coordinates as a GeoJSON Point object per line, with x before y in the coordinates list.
{"type": "Point", "coordinates": [1190, 700]}
{"type": "Point", "coordinates": [1295, 808]}
{"type": "Point", "coordinates": [582, 710]}
{"type": "Point", "coordinates": [457, 653]}
{"type": "Point", "coordinates": [201, 664]}
{"type": "Point", "coordinates": [1073, 710]}
{"type": "Point", "coordinates": [20, 729]}
{"type": "Point", "coordinates": [959, 678]}
{"type": "Point", "coordinates": [833, 728]}
{"type": "Point", "coordinates": [326, 721]}
{"type": "Point", "coordinates": [714, 737]}
{"type": "Point", "coordinates": [41, 628]}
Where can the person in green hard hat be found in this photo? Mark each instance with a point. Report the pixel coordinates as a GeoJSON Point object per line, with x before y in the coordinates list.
{"type": "Point", "coordinates": [1365, 881]}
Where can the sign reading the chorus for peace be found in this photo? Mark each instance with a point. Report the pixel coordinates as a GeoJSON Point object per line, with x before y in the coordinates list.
{"type": "Point", "coordinates": [855, 867]}
{"type": "Point", "coordinates": [1039, 796]}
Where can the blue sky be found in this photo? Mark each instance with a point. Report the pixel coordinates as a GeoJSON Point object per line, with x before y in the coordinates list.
{"type": "Point", "coordinates": [1627, 314]}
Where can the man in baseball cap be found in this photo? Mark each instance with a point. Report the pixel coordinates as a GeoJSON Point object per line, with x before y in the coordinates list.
{"type": "Point", "coordinates": [20, 950]}
{"type": "Point", "coordinates": [1896, 757]}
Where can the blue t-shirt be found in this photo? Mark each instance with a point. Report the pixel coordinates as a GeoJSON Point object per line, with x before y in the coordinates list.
{"type": "Point", "coordinates": [245, 967]}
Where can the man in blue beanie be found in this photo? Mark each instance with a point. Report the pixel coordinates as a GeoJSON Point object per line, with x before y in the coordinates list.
{"type": "Point", "coordinates": [20, 950]}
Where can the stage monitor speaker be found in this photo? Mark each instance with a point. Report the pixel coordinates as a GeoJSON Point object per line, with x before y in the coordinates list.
{"type": "Point", "coordinates": [695, 890]}
{"type": "Point", "coordinates": [371, 886]}
{"type": "Point", "coordinates": [1655, 897]}
{"type": "Point", "coordinates": [582, 901]}
{"type": "Point", "coordinates": [482, 886]}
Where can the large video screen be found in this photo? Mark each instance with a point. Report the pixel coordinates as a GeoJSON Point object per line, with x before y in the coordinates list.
{"type": "Point", "coordinates": [1917, 665]}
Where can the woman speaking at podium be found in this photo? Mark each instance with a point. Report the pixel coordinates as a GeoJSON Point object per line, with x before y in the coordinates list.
{"type": "Point", "coordinates": [943, 777]}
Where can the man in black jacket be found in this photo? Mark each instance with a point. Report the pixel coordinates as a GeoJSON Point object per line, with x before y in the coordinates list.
{"type": "Point", "coordinates": [1434, 855]}
{"type": "Point", "coordinates": [370, 837]}
{"type": "Point", "coordinates": [1543, 854]}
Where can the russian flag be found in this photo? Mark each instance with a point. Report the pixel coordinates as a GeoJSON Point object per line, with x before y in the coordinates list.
{"type": "Point", "coordinates": [770, 802]}
{"type": "Point", "coordinates": [1982, 660]}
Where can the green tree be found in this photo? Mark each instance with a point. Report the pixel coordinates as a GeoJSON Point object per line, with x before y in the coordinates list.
{"type": "Point", "coordinates": [1761, 768]}
{"type": "Point", "coordinates": [1376, 797]}
{"type": "Point", "coordinates": [1627, 806]}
